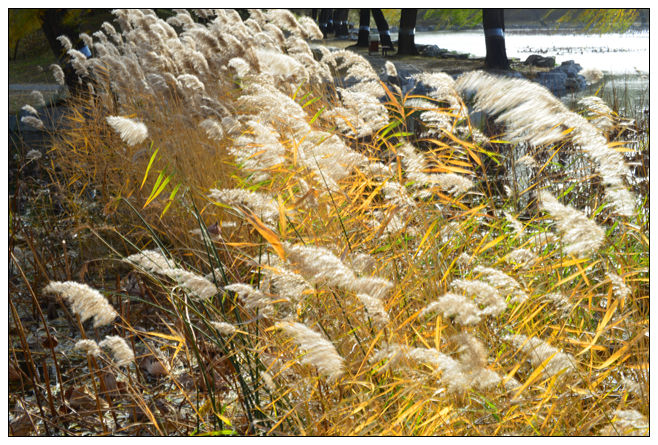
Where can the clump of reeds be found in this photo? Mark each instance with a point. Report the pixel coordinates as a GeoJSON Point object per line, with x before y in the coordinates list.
{"type": "Point", "coordinates": [383, 261]}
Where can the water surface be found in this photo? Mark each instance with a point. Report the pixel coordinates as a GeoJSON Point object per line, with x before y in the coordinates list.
{"type": "Point", "coordinates": [617, 54]}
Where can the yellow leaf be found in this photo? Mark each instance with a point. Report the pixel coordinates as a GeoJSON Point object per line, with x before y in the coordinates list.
{"type": "Point", "coordinates": [266, 233]}
{"type": "Point", "coordinates": [574, 275]}
{"type": "Point", "coordinates": [224, 419]}
{"type": "Point", "coordinates": [622, 350]}
{"type": "Point", "coordinates": [604, 321]}
{"type": "Point", "coordinates": [490, 244]}
{"type": "Point", "coordinates": [427, 234]}
{"type": "Point", "coordinates": [535, 374]}
{"type": "Point", "coordinates": [282, 216]}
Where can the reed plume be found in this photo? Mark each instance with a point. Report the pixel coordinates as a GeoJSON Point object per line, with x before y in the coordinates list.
{"type": "Point", "coordinates": [121, 352]}
{"type": "Point", "coordinates": [316, 350]}
{"type": "Point", "coordinates": [130, 131]}
{"type": "Point", "coordinates": [85, 301]}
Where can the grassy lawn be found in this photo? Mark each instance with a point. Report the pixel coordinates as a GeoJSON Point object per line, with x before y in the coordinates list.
{"type": "Point", "coordinates": [32, 69]}
{"type": "Point", "coordinates": [30, 66]}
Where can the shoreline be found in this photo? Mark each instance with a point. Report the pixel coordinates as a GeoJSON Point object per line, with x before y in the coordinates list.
{"type": "Point", "coordinates": [559, 79]}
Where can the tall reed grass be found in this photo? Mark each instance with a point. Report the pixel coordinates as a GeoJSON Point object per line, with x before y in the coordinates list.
{"type": "Point", "coordinates": [291, 246]}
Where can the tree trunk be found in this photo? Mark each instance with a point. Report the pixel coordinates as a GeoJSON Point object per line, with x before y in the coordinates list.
{"type": "Point", "coordinates": [16, 49]}
{"type": "Point", "coordinates": [53, 26]}
{"type": "Point", "coordinates": [325, 16]}
{"type": "Point", "coordinates": [364, 29]}
{"type": "Point", "coordinates": [406, 35]}
{"type": "Point", "coordinates": [382, 28]}
{"type": "Point", "coordinates": [493, 21]}
{"type": "Point", "coordinates": [341, 22]}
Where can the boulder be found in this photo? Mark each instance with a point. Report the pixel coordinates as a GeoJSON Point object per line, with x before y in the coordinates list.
{"type": "Point", "coordinates": [570, 68]}
{"type": "Point", "coordinates": [553, 80]}
{"type": "Point", "coordinates": [540, 61]}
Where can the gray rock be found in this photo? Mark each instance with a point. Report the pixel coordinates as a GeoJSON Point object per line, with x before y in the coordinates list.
{"type": "Point", "coordinates": [540, 61]}
{"type": "Point", "coordinates": [553, 80]}
{"type": "Point", "coordinates": [432, 51]}
{"type": "Point", "coordinates": [570, 67]}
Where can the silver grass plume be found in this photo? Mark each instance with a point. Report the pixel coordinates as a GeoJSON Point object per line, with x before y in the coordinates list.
{"type": "Point", "coordinates": [265, 207]}
{"type": "Point", "coordinates": [212, 128]}
{"type": "Point", "coordinates": [241, 67]}
{"type": "Point", "coordinates": [375, 309]}
{"type": "Point", "coordinates": [150, 260]}
{"type": "Point", "coordinates": [457, 306]}
{"type": "Point", "coordinates": [58, 74]}
{"type": "Point", "coordinates": [442, 88]}
{"type": "Point", "coordinates": [560, 302]}
{"type": "Point", "coordinates": [130, 131]}
{"type": "Point", "coordinates": [112, 32]}
{"type": "Point", "coordinates": [457, 375]}
{"type": "Point", "coordinates": [328, 157]}
{"type": "Point", "coordinates": [154, 262]}
{"type": "Point", "coordinates": [199, 286]}
{"type": "Point", "coordinates": [581, 236]}
{"type": "Point", "coordinates": [258, 16]}
{"type": "Point", "coordinates": [628, 422]}
{"type": "Point", "coordinates": [390, 69]}
{"type": "Point", "coordinates": [484, 295]}
{"type": "Point", "coordinates": [33, 122]}
{"type": "Point", "coordinates": [37, 98]}
{"type": "Point", "coordinates": [287, 284]}
{"type": "Point", "coordinates": [522, 257]}
{"type": "Point", "coordinates": [85, 301]}
{"type": "Point", "coordinates": [223, 327]}
{"type": "Point", "coordinates": [318, 264]}
{"type": "Point", "coordinates": [317, 350]}
{"type": "Point", "coordinates": [286, 21]}
{"type": "Point", "coordinates": [281, 65]}
{"type": "Point", "coordinates": [33, 155]}
{"type": "Point", "coordinates": [78, 61]}
{"type": "Point", "coordinates": [65, 42]}
{"type": "Point", "coordinates": [89, 347]}
{"type": "Point", "coordinates": [252, 298]}
{"type": "Point", "coordinates": [258, 152]}
{"type": "Point", "coordinates": [87, 40]}
{"type": "Point", "coordinates": [122, 353]}
{"type": "Point", "coordinates": [532, 114]}
{"type": "Point", "coordinates": [374, 286]}
{"type": "Point", "coordinates": [598, 113]}
{"type": "Point", "coordinates": [311, 28]}
{"type": "Point", "coordinates": [253, 25]}
{"type": "Point", "coordinates": [538, 352]}
{"type": "Point", "coordinates": [517, 225]}
{"type": "Point", "coordinates": [275, 33]}
{"type": "Point", "coordinates": [473, 361]}
{"type": "Point", "coordinates": [415, 165]}
{"type": "Point", "coordinates": [592, 75]}
{"type": "Point", "coordinates": [503, 282]}
{"type": "Point", "coordinates": [619, 288]}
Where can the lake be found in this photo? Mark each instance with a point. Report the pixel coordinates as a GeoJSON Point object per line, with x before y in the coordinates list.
{"type": "Point", "coordinates": [611, 53]}
{"type": "Point", "coordinates": [623, 58]}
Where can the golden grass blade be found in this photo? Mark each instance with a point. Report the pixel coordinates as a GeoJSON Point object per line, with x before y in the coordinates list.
{"type": "Point", "coordinates": [615, 357]}
{"type": "Point", "coordinates": [599, 329]}
{"type": "Point", "coordinates": [266, 233]}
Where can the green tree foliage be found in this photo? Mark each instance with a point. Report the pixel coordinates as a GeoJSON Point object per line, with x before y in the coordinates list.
{"type": "Point", "coordinates": [454, 18]}
{"type": "Point", "coordinates": [600, 20]}
{"type": "Point", "coordinates": [22, 22]}
{"type": "Point", "coordinates": [392, 16]}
